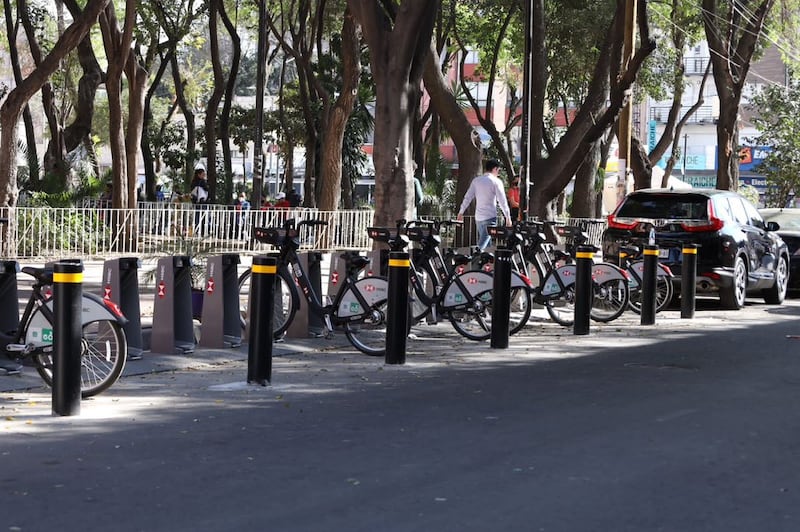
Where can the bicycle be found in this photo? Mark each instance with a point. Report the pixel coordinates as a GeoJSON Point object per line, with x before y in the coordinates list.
{"type": "Point", "coordinates": [552, 278]}
{"type": "Point", "coordinates": [464, 296]}
{"type": "Point", "coordinates": [104, 347]}
{"type": "Point", "coordinates": [630, 259]}
{"type": "Point", "coordinates": [359, 306]}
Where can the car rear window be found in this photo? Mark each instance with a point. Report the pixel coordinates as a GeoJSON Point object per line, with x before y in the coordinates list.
{"type": "Point", "coordinates": [680, 207]}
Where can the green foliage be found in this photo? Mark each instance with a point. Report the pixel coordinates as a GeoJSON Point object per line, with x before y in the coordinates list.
{"type": "Point", "coordinates": [439, 189]}
{"type": "Point", "coordinates": [779, 122]}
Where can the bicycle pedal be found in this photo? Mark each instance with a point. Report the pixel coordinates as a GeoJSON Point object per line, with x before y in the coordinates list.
{"type": "Point", "coordinates": [16, 348]}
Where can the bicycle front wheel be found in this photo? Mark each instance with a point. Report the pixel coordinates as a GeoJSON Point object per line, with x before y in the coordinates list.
{"type": "Point", "coordinates": [103, 353]}
{"type": "Point", "coordinates": [284, 302]}
{"type": "Point", "coordinates": [610, 299]}
{"type": "Point", "coordinates": [561, 308]}
{"type": "Point", "coordinates": [367, 333]}
{"type": "Point", "coordinates": [475, 321]}
{"type": "Point", "coordinates": [664, 291]}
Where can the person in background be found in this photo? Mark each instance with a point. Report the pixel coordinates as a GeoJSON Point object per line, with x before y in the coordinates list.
{"type": "Point", "coordinates": [294, 199]}
{"type": "Point", "coordinates": [281, 202]}
{"type": "Point", "coordinates": [488, 192]}
{"type": "Point", "coordinates": [159, 193]}
{"type": "Point", "coordinates": [513, 198]}
{"type": "Point", "coordinates": [199, 186]}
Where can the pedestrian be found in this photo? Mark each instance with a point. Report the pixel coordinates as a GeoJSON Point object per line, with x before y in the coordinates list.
{"type": "Point", "coordinates": [199, 186]}
{"type": "Point", "coordinates": [281, 202]}
{"type": "Point", "coordinates": [488, 192]}
{"type": "Point", "coordinates": [199, 195]}
{"type": "Point", "coordinates": [513, 198]}
{"type": "Point", "coordinates": [294, 199]}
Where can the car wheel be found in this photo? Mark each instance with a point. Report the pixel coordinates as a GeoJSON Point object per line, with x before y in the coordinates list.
{"type": "Point", "coordinates": [733, 297]}
{"type": "Point", "coordinates": [777, 292]}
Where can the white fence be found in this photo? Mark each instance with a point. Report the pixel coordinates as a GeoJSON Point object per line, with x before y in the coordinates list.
{"type": "Point", "coordinates": [178, 229]}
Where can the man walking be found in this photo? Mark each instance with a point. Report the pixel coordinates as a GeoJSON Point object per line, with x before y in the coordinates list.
{"type": "Point", "coordinates": [488, 192]}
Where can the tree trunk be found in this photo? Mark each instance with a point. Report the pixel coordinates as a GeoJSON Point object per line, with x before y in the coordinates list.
{"type": "Point", "coordinates": [224, 120]}
{"type": "Point", "coordinates": [213, 101]}
{"type": "Point", "coordinates": [137, 91]}
{"type": "Point", "coordinates": [398, 42]}
{"type": "Point", "coordinates": [585, 192]}
{"type": "Point", "coordinates": [76, 133]}
{"type": "Point", "coordinates": [191, 127]}
{"type": "Point", "coordinates": [18, 97]}
{"type": "Point", "coordinates": [333, 138]}
{"type": "Point", "coordinates": [454, 121]}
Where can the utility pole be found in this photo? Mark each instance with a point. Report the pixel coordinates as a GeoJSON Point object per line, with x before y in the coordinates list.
{"type": "Point", "coordinates": [258, 141]}
{"type": "Point", "coordinates": [624, 136]}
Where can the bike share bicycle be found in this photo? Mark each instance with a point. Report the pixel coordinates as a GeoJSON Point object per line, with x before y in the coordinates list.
{"type": "Point", "coordinates": [463, 296]}
{"type": "Point", "coordinates": [359, 306]}
{"type": "Point", "coordinates": [552, 273]}
{"type": "Point", "coordinates": [103, 344]}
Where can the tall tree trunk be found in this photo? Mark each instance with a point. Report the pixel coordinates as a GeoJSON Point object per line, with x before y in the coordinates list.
{"type": "Point", "coordinates": [454, 121]}
{"type": "Point", "coordinates": [584, 195]}
{"type": "Point", "coordinates": [137, 91]}
{"type": "Point", "coordinates": [191, 125]}
{"type": "Point", "coordinates": [224, 120]}
{"type": "Point", "coordinates": [214, 100]}
{"type": "Point", "coordinates": [17, 98]}
{"type": "Point", "coordinates": [333, 138]}
{"type": "Point", "coordinates": [732, 42]}
{"type": "Point", "coordinates": [79, 131]}
{"type": "Point", "coordinates": [398, 42]}
{"type": "Point", "coordinates": [145, 145]}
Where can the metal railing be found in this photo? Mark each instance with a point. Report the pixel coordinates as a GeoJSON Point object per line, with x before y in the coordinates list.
{"type": "Point", "coordinates": [182, 229]}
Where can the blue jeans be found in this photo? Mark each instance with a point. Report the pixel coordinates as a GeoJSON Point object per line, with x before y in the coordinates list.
{"type": "Point", "coordinates": [483, 232]}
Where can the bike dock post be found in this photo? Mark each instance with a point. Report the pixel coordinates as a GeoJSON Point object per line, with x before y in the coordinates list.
{"type": "Point", "coordinates": [584, 259]}
{"type": "Point", "coordinates": [397, 308]}
{"type": "Point", "coordinates": [120, 284]}
{"type": "Point", "coordinates": [173, 330]}
{"type": "Point", "coordinates": [67, 295]}
{"type": "Point", "coordinates": [501, 298]}
{"type": "Point", "coordinates": [307, 323]}
{"type": "Point", "coordinates": [220, 325]}
{"type": "Point", "coordinates": [262, 296]}
{"type": "Point", "coordinates": [688, 280]}
{"type": "Point", "coordinates": [9, 297]}
{"type": "Point", "coordinates": [649, 281]}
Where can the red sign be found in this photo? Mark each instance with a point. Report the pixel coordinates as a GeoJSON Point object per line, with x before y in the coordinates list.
{"type": "Point", "coordinates": [162, 289]}
{"type": "Point", "coordinates": [369, 288]}
{"type": "Point", "coordinates": [472, 280]}
{"type": "Point", "coordinates": [107, 292]}
{"type": "Point", "coordinates": [335, 277]}
{"type": "Point", "coordinates": [210, 285]}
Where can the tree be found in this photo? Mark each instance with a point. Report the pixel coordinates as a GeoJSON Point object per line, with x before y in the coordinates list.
{"type": "Point", "coordinates": [733, 29]}
{"type": "Point", "coordinates": [17, 98]}
{"type": "Point", "coordinates": [398, 35]}
{"type": "Point", "coordinates": [778, 119]}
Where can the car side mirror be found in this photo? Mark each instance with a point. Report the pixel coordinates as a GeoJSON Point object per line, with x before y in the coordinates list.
{"type": "Point", "coordinates": [773, 226]}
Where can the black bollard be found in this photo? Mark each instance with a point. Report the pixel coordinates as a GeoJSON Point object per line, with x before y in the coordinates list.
{"type": "Point", "coordinates": [501, 298]}
{"type": "Point", "coordinates": [397, 308]}
{"type": "Point", "coordinates": [688, 280]}
{"type": "Point", "coordinates": [584, 260]}
{"type": "Point", "coordinates": [262, 296]}
{"type": "Point", "coordinates": [649, 280]}
{"type": "Point", "coordinates": [67, 295]}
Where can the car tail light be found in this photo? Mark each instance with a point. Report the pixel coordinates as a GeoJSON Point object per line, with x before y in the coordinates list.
{"type": "Point", "coordinates": [626, 224]}
{"type": "Point", "coordinates": [701, 226]}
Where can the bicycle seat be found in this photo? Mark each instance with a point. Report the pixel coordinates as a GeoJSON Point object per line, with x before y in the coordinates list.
{"type": "Point", "coordinates": [460, 259]}
{"type": "Point", "coordinates": [43, 275]}
{"type": "Point", "coordinates": [631, 251]}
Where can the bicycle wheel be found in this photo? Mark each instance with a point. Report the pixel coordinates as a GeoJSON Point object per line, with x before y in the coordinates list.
{"type": "Point", "coordinates": [475, 321]}
{"type": "Point", "coordinates": [664, 291]}
{"type": "Point", "coordinates": [561, 307]}
{"type": "Point", "coordinates": [285, 306]}
{"type": "Point", "coordinates": [610, 298]}
{"type": "Point", "coordinates": [368, 333]}
{"type": "Point", "coordinates": [103, 353]}
{"type": "Point", "coordinates": [429, 281]}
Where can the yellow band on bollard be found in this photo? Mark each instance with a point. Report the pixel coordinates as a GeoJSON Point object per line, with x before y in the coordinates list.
{"type": "Point", "coordinates": [584, 255]}
{"type": "Point", "coordinates": [689, 251]}
{"type": "Point", "coordinates": [399, 263]}
{"type": "Point", "coordinates": [71, 278]}
{"type": "Point", "coordinates": [264, 268]}
{"type": "Point", "coordinates": [651, 252]}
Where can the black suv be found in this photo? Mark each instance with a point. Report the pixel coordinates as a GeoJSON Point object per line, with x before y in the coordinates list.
{"type": "Point", "coordinates": [738, 252]}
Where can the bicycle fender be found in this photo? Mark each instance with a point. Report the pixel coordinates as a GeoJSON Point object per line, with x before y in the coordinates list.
{"type": "Point", "coordinates": [565, 273]}
{"type": "Point", "coordinates": [93, 308]}
{"type": "Point", "coordinates": [603, 272]}
{"type": "Point", "coordinates": [518, 281]}
{"type": "Point", "coordinates": [475, 281]}
{"type": "Point", "coordinates": [373, 289]}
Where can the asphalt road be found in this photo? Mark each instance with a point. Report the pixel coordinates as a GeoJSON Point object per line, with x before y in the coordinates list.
{"type": "Point", "coordinates": [688, 425]}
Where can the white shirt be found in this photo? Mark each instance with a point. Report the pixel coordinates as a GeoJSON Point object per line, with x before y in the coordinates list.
{"type": "Point", "coordinates": [487, 191]}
